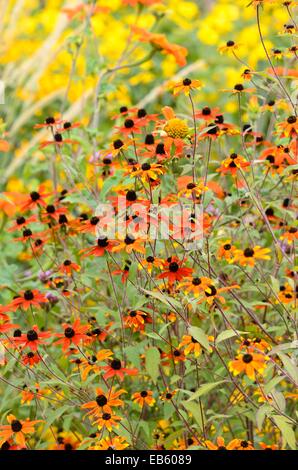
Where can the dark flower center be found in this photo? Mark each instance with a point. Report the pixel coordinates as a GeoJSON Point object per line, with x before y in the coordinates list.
{"type": "Point", "coordinates": [133, 313]}
{"type": "Point", "coordinates": [28, 295]}
{"type": "Point", "coordinates": [5, 446]}
{"type": "Point", "coordinates": [270, 158]}
{"type": "Point", "coordinates": [160, 149]}
{"type": "Point", "coordinates": [196, 281]}
{"type": "Point", "coordinates": [269, 212]}
{"type": "Point", "coordinates": [117, 144]}
{"type": "Point", "coordinates": [116, 364]}
{"type": "Point", "coordinates": [187, 82]}
{"type": "Point", "coordinates": [106, 416]}
{"type": "Point", "coordinates": [227, 246]}
{"type": "Point", "coordinates": [58, 137]}
{"type": "Point", "coordinates": [67, 262]}
{"type": "Point", "coordinates": [102, 242]}
{"type": "Point", "coordinates": [32, 335]}
{"type": "Point", "coordinates": [94, 220]}
{"type": "Point", "coordinates": [131, 195]}
{"type": "Point", "coordinates": [169, 396]}
{"type": "Point", "coordinates": [212, 129]}
{"type": "Point", "coordinates": [123, 109]}
{"type": "Point", "coordinates": [239, 87]}
{"type": "Point", "coordinates": [146, 166]}
{"type": "Point", "coordinates": [21, 220]}
{"type": "Point", "coordinates": [206, 111]}
{"type": "Point", "coordinates": [62, 219]}
{"type": "Point", "coordinates": [68, 446]}
{"type": "Point", "coordinates": [129, 123]}
{"type": "Point", "coordinates": [149, 140]}
{"type": "Point", "coordinates": [17, 333]}
{"type": "Point", "coordinates": [50, 209]}
{"type": "Point", "coordinates": [34, 196]}
{"type": "Point", "coordinates": [96, 332]}
{"type": "Point", "coordinates": [244, 444]}
{"type": "Point", "coordinates": [67, 125]}
{"type": "Point", "coordinates": [230, 43]}
{"type": "Point", "coordinates": [248, 252]}
{"type": "Point", "coordinates": [173, 267]}
{"type": "Point", "coordinates": [219, 119]}
{"type": "Point", "coordinates": [142, 113]}
{"type": "Point", "coordinates": [69, 332]}
{"type": "Point", "coordinates": [16, 425]}
{"type": "Point", "coordinates": [50, 120]}
{"type": "Point", "coordinates": [191, 186]}
{"type": "Point", "coordinates": [213, 291]}
{"type": "Point", "coordinates": [144, 394]}
{"type": "Point", "coordinates": [27, 232]}
{"type": "Point", "coordinates": [129, 240]}
{"type": "Point", "coordinates": [292, 119]}
{"type": "Point", "coordinates": [247, 358]}
{"type": "Point", "coordinates": [101, 400]}
{"type": "Point", "coordinates": [150, 259]}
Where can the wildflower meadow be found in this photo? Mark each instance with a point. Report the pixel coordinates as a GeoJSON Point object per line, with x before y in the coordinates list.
{"type": "Point", "coordinates": [148, 214]}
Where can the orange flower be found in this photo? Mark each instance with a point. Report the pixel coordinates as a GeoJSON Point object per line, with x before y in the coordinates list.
{"type": "Point", "coordinates": [195, 284]}
{"type": "Point", "coordinates": [130, 244]}
{"type": "Point", "coordinates": [103, 246]}
{"type": "Point", "coordinates": [72, 334]}
{"type": "Point", "coordinates": [248, 256]}
{"type": "Point", "coordinates": [226, 251]}
{"type": "Point", "coordinates": [230, 46]}
{"type": "Point", "coordinates": [190, 345]}
{"type": "Point", "coordinates": [249, 363]}
{"type": "Point", "coordinates": [115, 369]}
{"type": "Point", "coordinates": [185, 86]}
{"type": "Point", "coordinates": [104, 402]}
{"type": "Point", "coordinates": [211, 293]}
{"type": "Point", "coordinates": [32, 339]}
{"type": "Point", "coordinates": [27, 299]}
{"type": "Point", "coordinates": [108, 420]}
{"type": "Point", "coordinates": [67, 267]}
{"type": "Point", "coordinates": [168, 395]}
{"type": "Point", "coordinates": [174, 270]}
{"type": "Point", "coordinates": [147, 171]}
{"type": "Point", "coordinates": [220, 445]}
{"type": "Point", "coordinates": [290, 235]}
{"type": "Point", "coordinates": [108, 443]}
{"type": "Point", "coordinates": [144, 397]}
{"type": "Point", "coordinates": [161, 42]}
{"type": "Point", "coordinates": [17, 429]}
{"type": "Point", "coordinates": [135, 320]}
{"type": "Point", "coordinates": [232, 164]}
{"type": "Point", "coordinates": [58, 141]}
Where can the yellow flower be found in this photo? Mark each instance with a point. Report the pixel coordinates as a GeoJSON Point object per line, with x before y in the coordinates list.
{"type": "Point", "coordinates": [176, 128]}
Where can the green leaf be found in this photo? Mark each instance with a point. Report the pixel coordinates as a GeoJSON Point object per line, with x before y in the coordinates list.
{"type": "Point", "coordinates": [196, 411]}
{"type": "Point", "coordinates": [51, 417]}
{"type": "Point", "coordinates": [224, 335]}
{"type": "Point", "coordinates": [291, 369]}
{"type": "Point", "coordinates": [152, 361]}
{"type": "Point", "coordinates": [203, 389]}
{"type": "Point", "coordinates": [261, 414]}
{"type": "Point", "coordinates": [168, 301]}
{"type": "Point", "coordinates": [286, 429]}
{"type": "Point", "coordinates": [199, 335]}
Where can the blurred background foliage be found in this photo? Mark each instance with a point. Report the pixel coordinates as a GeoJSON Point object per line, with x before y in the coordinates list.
{"type": "Point", "coordinates": [52, 53]}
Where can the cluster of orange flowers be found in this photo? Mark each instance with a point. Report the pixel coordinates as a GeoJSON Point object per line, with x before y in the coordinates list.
{"type": "Point", "coordinates": [125, 329]}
